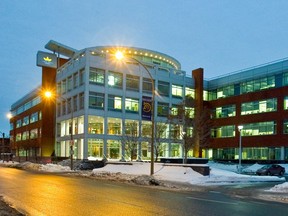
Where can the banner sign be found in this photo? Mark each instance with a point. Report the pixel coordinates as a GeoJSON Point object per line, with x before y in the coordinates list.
{"type": "Point", "coordinates": [45, 59]}
{"type": "Point", "coordinates": [146, 108]}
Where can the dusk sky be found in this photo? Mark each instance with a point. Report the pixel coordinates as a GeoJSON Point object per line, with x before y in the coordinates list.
{"type": "Point", "coordinates": [221, 36]}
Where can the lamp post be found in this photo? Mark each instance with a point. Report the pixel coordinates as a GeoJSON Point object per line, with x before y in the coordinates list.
{"type": "Point", "coordinates": [240, 127]}
{"type": "Point", "coordinates": [3, 144]}
{"type": "Point", "coordinates": [119, 55]}
{"type": "Point", "coordinates": [49, 94]}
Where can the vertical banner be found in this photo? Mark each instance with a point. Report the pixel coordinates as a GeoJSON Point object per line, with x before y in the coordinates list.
{"type": "Point", "coordinates": [146, 108]}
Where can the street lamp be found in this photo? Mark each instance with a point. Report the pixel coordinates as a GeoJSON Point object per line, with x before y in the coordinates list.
{"type": "Point", "coordinates": [119, 55]}
{"type": "Point", "coordinates": [240, 127]}
{"type": "Point", "coordinates": [49, 94]}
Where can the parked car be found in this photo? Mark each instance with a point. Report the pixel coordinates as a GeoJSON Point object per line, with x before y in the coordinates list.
{"type": "Point", "coordinates": [90, 165]}
{"type": "Point", "coordinates": [271, 169]}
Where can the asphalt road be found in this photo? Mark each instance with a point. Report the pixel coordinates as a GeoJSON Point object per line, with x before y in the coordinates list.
{"type": "Point", "coordinates": [39, 194]}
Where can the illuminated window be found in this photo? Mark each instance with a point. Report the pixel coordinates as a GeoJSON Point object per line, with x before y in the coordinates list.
{"type": "Point", "coordinates": [113, 149]}
{"type": "Point", "coordinates": [132, 128]}
{"type": "Point", "coordinates": [225, 111]}
{"type": "Point", "coordinates": [177, 91]}
{"type": "Point", "coordinates": [254, 107]}
{"type": "Point", "coordinates": [34, 133]}
{"type": "Point", "coordinates": [114, 102]}
{"type": "Point", "coordinates": [286, 103]}
{"type": "Point", "coordinates": [97, 76]}
{"type": "Point", "coordinates": [224, 131]}
{"type": "Point", "coordinates": [190, 92]}
{"type": "Point", "coordinates": [114, 126]}
{"type": "Point", "coordinates": [146, 128]}
{"type": "Point", "coordinates": [95, 125]}
{"type": "Point", "coordinates": [95, 148]}
{"type": "Point", "coordinates": [115, 80]}
{"type": "Point", "coordinates": [259, 128]}
{"type": "Point", "coordinates": [131, 105]}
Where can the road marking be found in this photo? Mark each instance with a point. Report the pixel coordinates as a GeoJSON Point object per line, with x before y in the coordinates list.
{"type": "Point", "coordinates": [207, 200]}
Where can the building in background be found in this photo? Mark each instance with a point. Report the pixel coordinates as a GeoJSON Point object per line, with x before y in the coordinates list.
{"type": "Point", "coordinates": [98, 105]}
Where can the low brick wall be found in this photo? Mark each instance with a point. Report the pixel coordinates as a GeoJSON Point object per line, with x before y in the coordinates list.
{"type": "Point", "coordinates": [203, 169]}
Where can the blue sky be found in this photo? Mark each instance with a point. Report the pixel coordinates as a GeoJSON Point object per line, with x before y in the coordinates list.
{"type": "Point", "coordinates": [221, 36]}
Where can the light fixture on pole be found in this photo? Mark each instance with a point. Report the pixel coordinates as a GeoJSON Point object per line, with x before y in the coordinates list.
{"type": "Point", "coordinates": [119, 55]}
{"type": "Point", "coordinates": [240, 127]}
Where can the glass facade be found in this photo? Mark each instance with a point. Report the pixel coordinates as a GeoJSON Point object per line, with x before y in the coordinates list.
{"type": "Point", "coordinates": [268, 105]}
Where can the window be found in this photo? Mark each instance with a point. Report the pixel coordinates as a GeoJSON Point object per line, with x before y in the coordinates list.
{"type": "Point", "coordinates": [285, 79]}
{"type": "Point", "coordinates": [75, 80]}
{"type": "Point", "coordinates": [177, 91]}
{"type": "Point", "coordinates": [132, 128]}
{"type": "Point", "coordinates": [132, 82]}
{"type": "Point", "coordinates": [75, 104]}
{"type": "Point", "coordinates": [82, 77]}
{"type": "Point", "coordinates": [147, 85]}
{"type": "Point", "coordinates": [113, 149]}
{"type": "Point", "coordinates": [63, 86]}
{"type": "Point", "coordinates": [69, 105]}
{"type": "Point", "coordinates": [175, 131]}
{"type": "Point", "coordinates": [225, 111]}
{"type": "Point", "coordinates": [96, 100]}
{"type": "Point", "coordinates": [25, 121]}
{"type": "Point", "coordinates": [257, 85]}
{"type": "Point", "coordinates": [226, 91]}
{"type": "Point", "coordinates": [115, 79]}
{"type": "Point", "coordinates": [97, 76]}
{"type": "Point", "coordinates": [69, 83]}
{"type": "Point", "coordinates": [34, 133]}
{"type": "Point", "coordinates": [163, 88]}
{"type": "Point", "coordinates": [95, 125]}
{"type": "Point", "coordinates": [285, 126]}
{"type": "Point", "coordinates": [286, 103]}
{"type": "Point", "coordinates": [25, 135]}
{"type": "Point", "coordinates": [34, 117]}
{"type": "Point", "coordinates": [81, 101]}
{"type": "Point", "coordinates": [190, 92]}
{"type": "Point", "coordinates": [114, 102]}
{"type": "Point", "coordinates": [18, 123]}
{"type": "Point", "coordinates": [163, 109]}
{"type": "Point", "coordinates": [131, 105]}
{"type": "Point", "coordinates": [146, 128]}
{"type": "Point", "coordinates": [114, 126]}
{"type": "Point", "coordinates": [259, 128]}
{"type": "Point", "coordinates": [162, 130]}
{"type": "Point", "coordinates": [95, 148]}
{"type": "Point", "coordinates": [254, 107]}
{"type": "Point", "coordinates": [224, 131]}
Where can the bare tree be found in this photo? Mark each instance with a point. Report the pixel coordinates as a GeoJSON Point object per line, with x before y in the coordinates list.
{"type": "Point", "coordinates": [194, 130]}
{"type": "Point", "coordinates": [131, 139]}
{"type": "Point", "coordinates": [160, 131]}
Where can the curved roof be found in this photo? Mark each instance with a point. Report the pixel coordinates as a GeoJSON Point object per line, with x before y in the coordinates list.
{"type": "Point", "coordinates": [157, 56]}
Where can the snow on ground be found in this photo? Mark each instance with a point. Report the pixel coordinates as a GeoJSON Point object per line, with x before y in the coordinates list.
{"type": "Point", "coordinates": [220, 174]}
